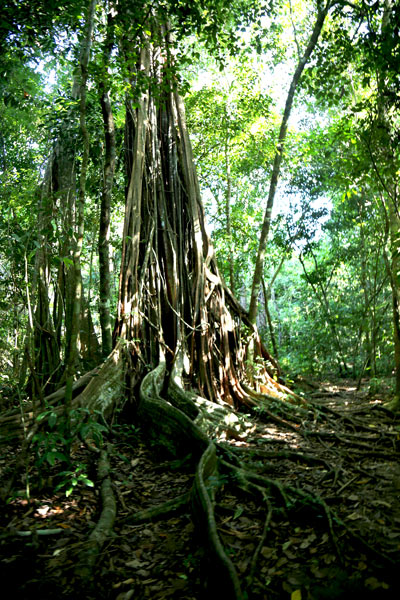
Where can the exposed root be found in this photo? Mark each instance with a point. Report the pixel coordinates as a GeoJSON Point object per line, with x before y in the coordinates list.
{"type": "Point", "coordinates": [188, 425]}
{"type": "Point", "coordinates": [88, 556]}
{"type": "Point", "coordinates": [261, 542]}
{"type": "Point", "coordinates": [161, 511]}
{"type": "Point", "coordinates": [221, 570]}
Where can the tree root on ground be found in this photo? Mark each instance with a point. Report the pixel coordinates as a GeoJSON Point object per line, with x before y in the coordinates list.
{"type": "Point", "coordinates": [161, 511]}
{"type": "Point", "coordinates": [181, 423]}
{"type": "Point", "coordinates": [88, 556]}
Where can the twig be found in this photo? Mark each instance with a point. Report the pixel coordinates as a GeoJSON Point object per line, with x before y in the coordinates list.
{"type": "Point", "coordinates": [257, 551]}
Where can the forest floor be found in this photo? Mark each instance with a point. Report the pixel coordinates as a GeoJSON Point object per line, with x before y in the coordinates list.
{"type": "Point", "coordinates": [345, 460]}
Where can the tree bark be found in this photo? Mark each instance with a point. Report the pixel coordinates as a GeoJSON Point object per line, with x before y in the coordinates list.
{"type": "Point", "coordinates": [105, 208]}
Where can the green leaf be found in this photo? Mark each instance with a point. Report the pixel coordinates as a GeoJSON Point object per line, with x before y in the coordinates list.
{"type": "Point", "coordinates": [51, 459]}
{"type": "Point", "coordinates": [238, 512]}
{"type": "Point", "coordinates": [52, 419]}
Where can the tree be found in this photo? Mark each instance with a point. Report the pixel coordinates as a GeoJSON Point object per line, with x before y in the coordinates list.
{"type": "Point", "coordinates": [322, 11]}
{"type": "Point", "coordinates": [178, 362]}
{"type": "Point", "coordinates": [232, 128]}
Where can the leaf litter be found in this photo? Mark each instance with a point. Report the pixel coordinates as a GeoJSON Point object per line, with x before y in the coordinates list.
{"type": "Point", "coordinates": [349, 458]}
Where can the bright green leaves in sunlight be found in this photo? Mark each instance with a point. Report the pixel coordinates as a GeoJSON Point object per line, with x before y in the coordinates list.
{"type": "Point", "coordinates": [232, 126]}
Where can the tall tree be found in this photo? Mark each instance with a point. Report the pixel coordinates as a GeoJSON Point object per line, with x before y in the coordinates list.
{"type": "Point", "coordinates": [322, 11]}
{"type": "Point", "coordinates": [106, 195]}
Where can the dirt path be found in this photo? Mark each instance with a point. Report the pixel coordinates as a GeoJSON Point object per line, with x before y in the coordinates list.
{"type": "Point", "coordinates": [337, 531]}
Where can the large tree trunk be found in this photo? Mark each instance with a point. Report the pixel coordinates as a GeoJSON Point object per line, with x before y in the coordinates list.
{"type": "Point", "coordinates": [174, 307]}
{"type": "Point", "coordinates": [78, 231]}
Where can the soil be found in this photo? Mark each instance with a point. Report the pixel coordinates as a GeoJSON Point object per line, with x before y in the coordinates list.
{"type": "Point", "coordinates": [329, 526]}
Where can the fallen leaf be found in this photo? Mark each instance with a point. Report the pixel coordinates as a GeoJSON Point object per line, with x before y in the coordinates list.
{"type": "Point", "coordinates": [329, 558]}
{"type": "Point", "coordinates": [143, 572]}
{"type": "Point", "coordinates": [286, 545]}
{"type": "Point", "coordinates": [125, 595]}
{"type": "Point", "coordinates": [282, 561]}
{"type": "Point", "coordinates": [295, 580]}
{"type": "Point", "coordinates": [134, 564]}
{"type": "Point", "coordinates": [287, 587]}
{"type": "Point", "coordinates": [354, 516]}
{"type": "Point", "coordinates": [296, 595]}
{"type": "Point", "coordinates": [125, 582]}
{"type": "Point", "coordinates": [374, 584]}
{"type": "Point", "coordinates": [267, 552]}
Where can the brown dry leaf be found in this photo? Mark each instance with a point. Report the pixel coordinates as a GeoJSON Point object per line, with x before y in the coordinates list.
{"type": "Point", "coordinates": [354, 516]}
{"type": "Point", "coordinates": [125, 595]}
{"type": "Point", "coordinates": [319, 573]}
{"type": "Point", "coordinates": [267, 552]}
{"type": "Point", "coordinates": [295, 580]}
{"type": "Point", "coordinates": [282, 561]}
{"type": "Point", "coordinates": [143, 572]}
{"type": "Point", "coordinates": [242, 565]}
{"type": "Point", "coordinates": [125, 582]}
{"type": "Point", "coordinates": [134, 564]}
{"type": "Point", "coordinates": [178, 584]}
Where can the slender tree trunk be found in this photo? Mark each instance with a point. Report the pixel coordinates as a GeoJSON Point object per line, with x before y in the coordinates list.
{"type": "Point", "coordinates": [262, 245]}
{"type": "Point", "coordinates": [79, 231]}
{"type": "Point", "coordinates": [389, 182]}
{"type": "Point", "coordinates": [366, 322]}
{"type": "Point", "coordinates": [105, 208]}
{"type": "Point", "coordinates": [394, 270]}
{"type": "Point", "coordinates": [267, 296]}
{"type": "Point", "coordinates": [322, 298]}
{"type": "Point", "coordinates": [46, 354]}
{"type": "Point", "coordinates": [228, 201]}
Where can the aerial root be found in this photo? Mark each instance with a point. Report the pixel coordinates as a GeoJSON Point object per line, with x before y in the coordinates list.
{"type": "Point", "coordinates": [220, 566]}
